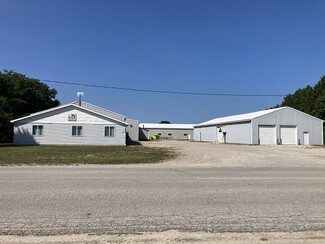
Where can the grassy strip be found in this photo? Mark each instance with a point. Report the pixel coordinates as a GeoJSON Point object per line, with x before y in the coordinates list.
{"type": "Point", "coordinates": [71, 155]}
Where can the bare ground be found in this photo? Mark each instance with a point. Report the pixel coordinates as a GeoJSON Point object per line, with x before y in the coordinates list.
{"type": "Point", "coordinates": [233, 155]}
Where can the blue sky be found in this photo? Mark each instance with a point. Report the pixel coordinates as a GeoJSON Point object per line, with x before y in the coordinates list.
{"type": "Point", "coordinates": [228, 46]}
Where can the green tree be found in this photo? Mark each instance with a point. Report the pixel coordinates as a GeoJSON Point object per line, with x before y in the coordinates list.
{"type": "Point", "coordinates": [21, 96]}
{"type": "Point", "coordinates": [164, 122]}
{"type": "Point", "coordinates": [309, 99]}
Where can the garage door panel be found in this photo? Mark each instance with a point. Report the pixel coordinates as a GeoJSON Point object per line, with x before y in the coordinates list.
{"type": "Point", "coordinates": [266, 134]}
{"type": "Point", "coordinates": [288, 135]}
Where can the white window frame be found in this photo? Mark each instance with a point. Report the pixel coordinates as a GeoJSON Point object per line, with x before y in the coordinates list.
{"type": "Point", "coordinates": [38, 130]}
{"type": "Point", "coordinates": [76, 130]}
{"type": "Point", "coordinates": [110, 130]}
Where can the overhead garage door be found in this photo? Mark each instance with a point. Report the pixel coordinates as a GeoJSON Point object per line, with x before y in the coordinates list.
{"type": "Point", "coordinates": [288, 135]}
{"type": "Point", "coordinates": [266, 134]}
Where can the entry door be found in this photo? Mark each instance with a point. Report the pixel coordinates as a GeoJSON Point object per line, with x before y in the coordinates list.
{"type": "Point", "coordinates": [221, 136]}
{"type": "Point", "coordinates": [267, 134]}
{"type": "Point", "coordinates": [306, 138]}
{"type": "Point", "coordinates": [288, 135]}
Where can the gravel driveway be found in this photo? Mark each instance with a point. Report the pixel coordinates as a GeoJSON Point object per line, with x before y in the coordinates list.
{"type": "Point", "coordinates": [233, 155]}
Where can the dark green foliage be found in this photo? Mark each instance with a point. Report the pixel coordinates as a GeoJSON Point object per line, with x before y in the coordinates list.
{"type": "Point", "coordinates": [164, 122]}
{"type": "Point", "coordinates": [310, 100]}
{"type": "Point", "coordinates": [21, 96]}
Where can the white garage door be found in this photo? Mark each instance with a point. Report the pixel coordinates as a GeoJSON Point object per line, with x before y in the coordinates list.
{"type": "Point", "coordinates": [288, 135]}
{"type": "Point", "coordinates": [266, 134]}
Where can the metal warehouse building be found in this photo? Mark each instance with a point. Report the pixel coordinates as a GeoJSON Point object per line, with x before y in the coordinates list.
{"type": "Point", "coordinates": [166, 131]}
{"type": "Point", "coordinates": [283, 125]}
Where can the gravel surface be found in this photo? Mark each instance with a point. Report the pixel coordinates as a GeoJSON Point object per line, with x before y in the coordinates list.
{"type": "Point", "coordinates": [207, 192]}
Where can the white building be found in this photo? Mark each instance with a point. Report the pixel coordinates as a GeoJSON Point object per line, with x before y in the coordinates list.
{"type": "Point", "coordinates": [283, 125]}
{"type": "Point", "coordinates": [166, 131]}
{"type": "Point", "coordinates": [75, 124]}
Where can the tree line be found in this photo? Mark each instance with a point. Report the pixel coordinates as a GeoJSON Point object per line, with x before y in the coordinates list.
{"type": "Point", "coordinates": [310, 100]}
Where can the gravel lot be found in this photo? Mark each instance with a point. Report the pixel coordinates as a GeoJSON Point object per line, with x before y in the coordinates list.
{"type": "Point", "coordinates": [232, 155]}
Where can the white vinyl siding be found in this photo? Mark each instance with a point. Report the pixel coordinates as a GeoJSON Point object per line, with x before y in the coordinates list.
{"type": "Point", "coordinates": [267, 134]}
{"type": "Point", "coordinates": [288, 135]}
{"type": "Point", "coordinates": [110, 131]}
{"type": "Point", "coordinates": [37, 130]}
{"type": "Point", "coordinates": [92, 134]}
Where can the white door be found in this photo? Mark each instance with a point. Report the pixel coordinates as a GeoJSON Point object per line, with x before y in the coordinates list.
{"type": "Point", "coordinates": [306, 138]}
{"type": "Point", "coordinates": [221, 136]}
{"type": "Point", "coordinates": [266, 134]}
{"type": "Point", "coordinates": [288, 135]}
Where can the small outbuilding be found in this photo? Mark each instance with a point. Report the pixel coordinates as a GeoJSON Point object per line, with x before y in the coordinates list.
{"type": "Point", "coordinates": [166, 131]}
{"type": "Point", "coordinates": [283, 125]}
{"type": "Point", "coordinates": [77, 123]}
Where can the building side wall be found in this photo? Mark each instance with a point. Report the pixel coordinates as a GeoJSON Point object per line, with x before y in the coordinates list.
{"type": "Point", "coordinates": [291, 117]}
{"type": "Point", "coordinates": [176, 134]}
{"type": "Point", "coordinates": [235, 133]}
{"type": "Point", "coordinates": [208, 134]}
{"type": "Point", "coordinates": [92, 134]}
{"type": "Point", "coordinates": [132, 129]}
{"type": "Point", "coordinates": [238, 133]}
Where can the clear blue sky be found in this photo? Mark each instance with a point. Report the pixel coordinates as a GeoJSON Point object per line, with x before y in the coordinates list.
{"type": "Point", "coordinates": [228, 46]}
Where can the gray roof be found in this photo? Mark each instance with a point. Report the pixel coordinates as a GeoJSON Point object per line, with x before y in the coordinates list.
{"type": "Point", "coordinates": [101, 111]}
{"type": "Point", "coordinates": [238, 118]}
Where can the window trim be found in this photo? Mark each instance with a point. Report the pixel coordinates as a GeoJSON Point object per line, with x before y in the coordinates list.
{"type": "Point", "coordinates": [38, 131]}
{"type": "Point", "coordinates": [78, 128]}
{"type": "Point", "coordinates": [109, 134]}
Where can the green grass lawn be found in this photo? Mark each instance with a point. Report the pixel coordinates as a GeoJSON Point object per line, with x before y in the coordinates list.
{"type": "Point", "coordinates": [73, 155]}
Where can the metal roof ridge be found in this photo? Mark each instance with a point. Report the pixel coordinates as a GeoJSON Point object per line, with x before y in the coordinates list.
{"type": "Point", "coordinates": [99, 108]}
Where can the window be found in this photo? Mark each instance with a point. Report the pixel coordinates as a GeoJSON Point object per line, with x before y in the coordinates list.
{"type": "Point", "coordinates": [76, 130]}
{"type": "Point", "coordinates": [159, 134]}
{"type": "Point", "coordinates": [72, 117]}
{"type": "Point", "coordinates": [37, 130]}
{"type": "Point", "coordinates": [110, 131]}
{"type": "Point", "coordinates": [170, 134]}
{"type": "Point", "coordinates": [185, 134]}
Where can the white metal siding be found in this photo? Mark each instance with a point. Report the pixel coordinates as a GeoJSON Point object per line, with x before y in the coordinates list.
{"type": "Point", "coordinates": [177, 134]}
{"type": "Point", "coordinates": [205, 134]}
{"type": "Point", "coordinates": [133, 129]}
{"type": "Point", "coordinates": [235, 133]}
{"type": "Point", "coordinates": [288, 135]}
{"type": "Point", "coordinates": [266, 134]}
{"type": "Point", "coordinates": [289, 117]}
{"type": "Point", "coordinates": [238, 133]}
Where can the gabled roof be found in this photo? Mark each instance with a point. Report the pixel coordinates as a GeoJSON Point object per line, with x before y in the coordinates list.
{"type": "Point", "coordinates": [238, 118]}
{"type": "Point", "coordinates": [100, 110]}
{"type": "Point", "coordinates": [165, 126]}
{"type": "Point", "coordinates": [84, 106]}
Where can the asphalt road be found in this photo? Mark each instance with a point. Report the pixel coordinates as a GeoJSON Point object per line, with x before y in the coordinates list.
{"type": "Point", "coordinates": [148, 198]}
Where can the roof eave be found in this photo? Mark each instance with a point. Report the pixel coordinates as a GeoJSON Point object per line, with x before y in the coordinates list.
{"type": "Point", "coordinates": [64, 106]}
{"type": "Point", "coordinates": [223, 123]}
